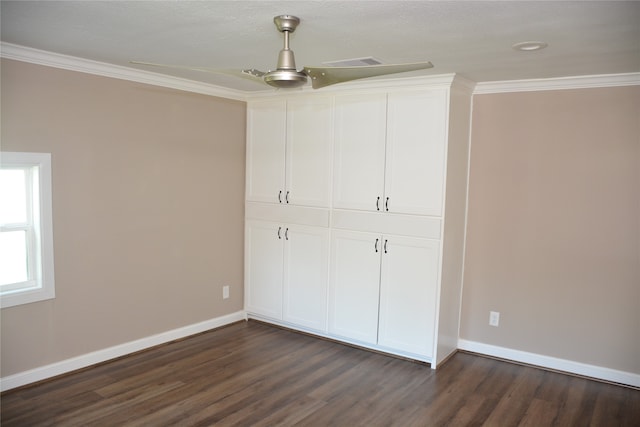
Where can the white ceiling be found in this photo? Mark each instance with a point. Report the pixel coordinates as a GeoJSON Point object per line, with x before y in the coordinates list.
{"type": "Point", "coordinates": [471, 38]}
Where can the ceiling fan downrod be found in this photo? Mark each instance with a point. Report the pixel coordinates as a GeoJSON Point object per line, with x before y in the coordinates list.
{"type": "Point", "coordinates": [286, 60]}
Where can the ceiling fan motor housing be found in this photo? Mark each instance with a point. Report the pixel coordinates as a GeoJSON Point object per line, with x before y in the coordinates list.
{"type": "Point", "coordinates": [285, 78]}
{"type": "Point", "coordinates": [286, 75]}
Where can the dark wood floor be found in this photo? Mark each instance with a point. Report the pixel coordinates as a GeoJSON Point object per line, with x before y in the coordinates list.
{"type": "Point", "coordinates": [252, 374]}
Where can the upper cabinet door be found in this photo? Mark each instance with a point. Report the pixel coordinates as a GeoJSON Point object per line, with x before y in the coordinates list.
{"type": "Point", "coordinates": [308, 164]}
{"type": "Point", "coordinates": [416, 144]}
{"type": "Point", "coordinates": [266, 125]}
{"type": "Point", "coordinates": [360, 123]}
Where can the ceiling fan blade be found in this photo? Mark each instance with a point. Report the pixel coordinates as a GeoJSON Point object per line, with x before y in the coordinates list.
{"type": "Point", "coordinates": [325, 76]}
{"type": "Point", "coordinates": [251, 74]}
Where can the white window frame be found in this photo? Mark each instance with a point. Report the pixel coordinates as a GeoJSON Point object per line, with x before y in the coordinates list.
{"type": "Point", "coordinates": [40, 284]}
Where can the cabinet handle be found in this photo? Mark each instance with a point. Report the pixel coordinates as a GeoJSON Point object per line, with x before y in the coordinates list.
{"type": "Point", "coordinates": [376, 245]}
{"type": "Point", "coordinates": [385, 245]}
{"type": "Point", "coordinates": [378, 203]}
{"type": "Point", "coordinates": [280, 196]}
{"type": "Point", "coordinates": [286, 234]}
{"type": "Point", "coordinates": [279, 229]}
{"type": "Point", "coordinates": [386, 204]}
{"type": "Point", "coordinates": [286, 197]}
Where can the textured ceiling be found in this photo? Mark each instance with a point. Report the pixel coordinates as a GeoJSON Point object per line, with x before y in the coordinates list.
{"type": "Point", "coordinates": [472, 39]}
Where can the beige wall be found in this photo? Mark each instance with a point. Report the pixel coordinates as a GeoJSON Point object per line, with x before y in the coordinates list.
{"type": "Point", "coordinates": [148, 207]}
{"type": "Point", "coordinates": [553, 239]}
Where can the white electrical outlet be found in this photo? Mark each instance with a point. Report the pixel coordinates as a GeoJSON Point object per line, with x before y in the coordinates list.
{"type": "Point", "coordinates": [494, 318]}
{"type": "Point", "coordinates": [225, 292]}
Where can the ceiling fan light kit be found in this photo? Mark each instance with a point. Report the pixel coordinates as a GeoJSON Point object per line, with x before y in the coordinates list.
{"type": "Point", "coordinates": [287, 76]}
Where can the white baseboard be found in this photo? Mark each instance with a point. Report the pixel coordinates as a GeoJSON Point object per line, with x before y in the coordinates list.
{"type": "Point", "coordinates": [79, 362]}
{"type": "Point", "coordinates": [598, 372]}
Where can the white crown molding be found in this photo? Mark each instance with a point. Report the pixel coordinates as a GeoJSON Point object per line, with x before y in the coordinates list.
{"type": "Point", "coordinates": [559, 83]}
{"type": "Point", "coordinates": [56, 60]}
{"type": "Point", "coordinates": [553, 363]}
{"type": "Point", "coordinates": [89, 359]}
{"type": "Point", "coordinates": [72, 63]}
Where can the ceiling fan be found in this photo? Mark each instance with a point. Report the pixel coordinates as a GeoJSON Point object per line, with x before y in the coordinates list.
{"type": "Point", "coordinates": [287, 76]}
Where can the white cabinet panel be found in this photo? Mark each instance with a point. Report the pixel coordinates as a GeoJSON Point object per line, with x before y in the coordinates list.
{"type": "Point", "coordinates": [409, 279]}
{"type": "Point", "coordinates": [390, 152]}
{"type": "Point", "coordinates": [306, 262]}
{"type": "Point", "coordinates": [359, 151]}
{"type": "Point", "coordinates": [415, 160]}
{"type": "Point", "coordinates": [308, 164]}
{"type": "Point", "coordinates": [286, 269]}
{"type": "Point", "coordinates": [287, 214]}
{"type": "Point", "coordinates": [289, 151]}
{"type": "Point", "coordinates": [404, 225]}
{"type": "Point", "coordinates": [264, 255]}
{"type": "Point", "coordinates": [354, 285]}
{"type": "Point", "coordinates": [382, 290]}
{"type": "Point", "coordinates": [265, 150]}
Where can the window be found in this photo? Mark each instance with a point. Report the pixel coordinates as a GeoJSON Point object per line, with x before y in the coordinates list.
{"type": "Point", "coordinates": [26, 230]}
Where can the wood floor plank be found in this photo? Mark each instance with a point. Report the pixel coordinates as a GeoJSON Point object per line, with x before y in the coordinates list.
{"type": "Point", "coordinates": [575, 409]}
{"type": "Point", "coordinates": [470, 413]}
{"type": "Point", "coordinates": [106, 411]}
{"type": "Point", "coordinates": [513, 405]}
{"type": "Point", "coordinates": [610, 407]}
{"type": "Point", "coordinates": [254, 374]}
{"type": "Point", "coordinates": [540, 412]}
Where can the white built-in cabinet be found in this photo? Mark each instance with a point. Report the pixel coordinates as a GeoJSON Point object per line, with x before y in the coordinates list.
{"type": "Point", "coordinates": [286, 266]}
{"type": "Point", "coordinates": [289, 151]}
{"type": "Point", "coordinates": [355, 207]}
{"type": "Point", "coordinates": [305, 276]}
{"type": "Point", "coordinates": [390, 151]}
{"type": "Point", "coordinates": [408, 293]}
{"type": "Point", "coordinates": [360, 139]}
{"type": "Point", "coordinates": [264, 268]}
{"type": "Point", "coordinates": [354, 290]}
{"type": "Point", "coordinates": [383, 290]}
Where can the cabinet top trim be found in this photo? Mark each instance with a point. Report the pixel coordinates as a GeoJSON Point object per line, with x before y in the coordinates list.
{"type": "Point", "coordinates": [446, 81]}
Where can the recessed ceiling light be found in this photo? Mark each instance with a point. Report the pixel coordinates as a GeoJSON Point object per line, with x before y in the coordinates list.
{"type": "Point", "coordinates": [529, 46]}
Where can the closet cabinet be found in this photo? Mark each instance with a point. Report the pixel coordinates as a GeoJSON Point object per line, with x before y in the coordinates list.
{"type": "Point", "coordinates": [354, 285]}
{"type": "Point", "coordinates": [360, 139]}
{"type": "Point", "coordinates": [264, 273]}
{"type": "Point", "coordinates": [390, 151]}
{"type": "Point", "coordinates": [355, 212]}
{"type": "Point", "coordinates": [382, 290]}
{"type": "Point", "coordinates": [289, 151]}
{"type": "Point", "coordinates": [409, 277]}
{"type": "Point", "coordinates": [286, 272]}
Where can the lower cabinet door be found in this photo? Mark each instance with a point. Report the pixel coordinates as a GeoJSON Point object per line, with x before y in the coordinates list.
{"type": "Point", "coordinates": [264, 254]}
{"type": "Point", "coordinates": [306, 264]}
{"type": "Point", "coordinates": [408, 287]}
{"type": "Point", "coordinates": [354, 285]}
